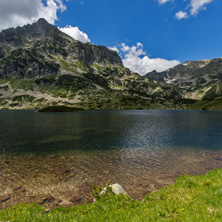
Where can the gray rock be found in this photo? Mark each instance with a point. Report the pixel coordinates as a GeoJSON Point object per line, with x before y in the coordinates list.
{"type": "Point", "coordinates": [116, 189]}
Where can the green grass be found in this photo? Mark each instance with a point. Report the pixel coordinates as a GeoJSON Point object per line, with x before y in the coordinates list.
{"type": "Point", "coordinates": [208, 104]}
{"type": "Point", "coordinates": [21, 84]}
{"type": "Point", "coordinates": [190, 198]}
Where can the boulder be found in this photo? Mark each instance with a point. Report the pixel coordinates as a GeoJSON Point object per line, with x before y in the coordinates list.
{"type": "Point", "coordinates": [116, 189]}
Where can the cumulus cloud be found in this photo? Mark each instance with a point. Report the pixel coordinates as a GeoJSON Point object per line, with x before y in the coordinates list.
{"type": "Point", "coordinates": [114, 48]}
{"type": "Point", "coordinates": [193, 8]}
{"type": "Point", "coordinates": [137, 60]}
{"type": "Point", "coordinates": [197, 5]}
{"type": "Point", "coordinates": [181, 15]}
{"type": "Point", "coordinates": [20, 12]}
{"type": "Point", "coordinates": [161, 2]}
{"type": "Point", "coordinates": [75, 33]}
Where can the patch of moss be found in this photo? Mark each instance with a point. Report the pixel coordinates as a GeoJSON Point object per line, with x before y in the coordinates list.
{"type": "Point", "coordinates": [21, 84]}
{"type": "Point", "coordinates": [72, 83]}
{"type": "Point", "coordinates": [22, 98]}
{"type": "Point", "coordinates": [96, 79]}
{"type": "Point", "coordinates": [46, 80]}
{"type": "Point", "coordinates": [14, 104]}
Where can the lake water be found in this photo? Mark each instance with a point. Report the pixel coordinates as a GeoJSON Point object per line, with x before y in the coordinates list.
{"type": "Point", "coordinates": [30, 132]}
{"type": "Point", "coordinates": [142, 150]}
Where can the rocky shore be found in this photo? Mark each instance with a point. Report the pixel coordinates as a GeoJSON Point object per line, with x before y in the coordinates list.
{"type": "Point", "coordinates": [67, 179]}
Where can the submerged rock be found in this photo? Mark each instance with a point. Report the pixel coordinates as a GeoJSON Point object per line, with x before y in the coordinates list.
{"type": "Point", "coordinates": [75, 199]}
{"type": "Point", "coordinates": [44, 199]}
{"type": "Point", "coordinates": [218, 158]}
{"type": "Point", "coordinates": [4, 197]}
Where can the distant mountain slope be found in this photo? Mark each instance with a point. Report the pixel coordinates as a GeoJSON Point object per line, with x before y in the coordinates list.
{"type": "Point", "coordinates": [30, 51]}
{"type": "Point", "coordinates": [197, 79]}
{"type": "Point", "coordinates": [42, 66]}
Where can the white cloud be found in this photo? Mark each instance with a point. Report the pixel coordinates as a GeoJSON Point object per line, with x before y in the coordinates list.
{"type": "Point", "coordinates": [197, 5]}
{"type": "Point", "coordinates": [181, 15]}
{"type": "Point", "coordinates": [20, 12]}
{"type": "Point", "coordinates": [114, 48]}
{"type": "Point", "coordinates": [137, 60]}
{"type": "Point", "coordinates": [193, 7]}
{"type": "Point", "coordinates": [161, 2]}
{"type": "Point", "coordinates": [75, 33]}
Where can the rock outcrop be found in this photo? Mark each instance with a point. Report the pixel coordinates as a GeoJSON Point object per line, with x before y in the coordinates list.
{"type": "Point", "coordinates": [197, 79]}
{"type": "Point", "coordinates": [30, 51]}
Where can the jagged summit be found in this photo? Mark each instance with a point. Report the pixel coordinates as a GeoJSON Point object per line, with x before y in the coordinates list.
{"type": "Point", "coordinates": [15, 36]}
{"type": "Point", "coordinates": [38, 49]}
{"type": "Point", "coordinates": [42, 21]}
{"type": "Point", "coordinates": [37, 30]}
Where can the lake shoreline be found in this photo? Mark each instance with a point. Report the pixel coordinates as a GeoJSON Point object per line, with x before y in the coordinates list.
{"type": "Point", "coordinates": [192, 198]}
{"type": "Point", "coordinates": [61, 180]}
{"type": "Point", "coordinates": [114, 109]}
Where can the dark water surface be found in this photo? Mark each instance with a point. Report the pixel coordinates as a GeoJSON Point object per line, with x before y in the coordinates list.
{"type": "Point", "coordinates": [63, 154]}
{"type": "Point", "coordinates": [45, 133]}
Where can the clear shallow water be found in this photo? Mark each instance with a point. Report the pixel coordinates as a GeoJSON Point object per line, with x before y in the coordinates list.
{"type": "Point", "coordinates": [30, 132]}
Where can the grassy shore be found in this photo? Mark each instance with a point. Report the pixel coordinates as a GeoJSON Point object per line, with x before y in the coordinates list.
{"type": "Point", "coordinates": [190, 198]}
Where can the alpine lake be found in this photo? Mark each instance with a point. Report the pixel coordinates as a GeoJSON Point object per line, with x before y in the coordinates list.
{"type": "Point", "coordinates": [55, 158]}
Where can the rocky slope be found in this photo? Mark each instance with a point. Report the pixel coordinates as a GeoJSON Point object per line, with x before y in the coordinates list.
{"type": "Point", "coordinates": [197, 79]}
{"type": "Point", "coordinates": [41, 66]}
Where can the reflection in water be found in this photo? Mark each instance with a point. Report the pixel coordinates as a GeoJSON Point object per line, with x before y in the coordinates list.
{"type": "Point", "coordinates": [44, 133]}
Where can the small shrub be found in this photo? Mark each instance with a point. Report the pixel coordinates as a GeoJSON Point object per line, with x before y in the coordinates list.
{"type": "Point", "coordinates": [96, 191]}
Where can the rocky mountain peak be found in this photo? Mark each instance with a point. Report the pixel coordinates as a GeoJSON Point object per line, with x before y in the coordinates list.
{"type": "Point", "coordinates": [42, 49]}
{"type": "Point", "coordinates": [37, 30]}
{"type": "Point", "coordinates": [197, 79]}
{"type": "Point", "coordinates": [196, 64]}
{"type": "Point", "coordinates": [42, 21]}
{"type": "Point", "coordinates": [155, 76]}
{"type": "Point", "coordinates": [15, 36]}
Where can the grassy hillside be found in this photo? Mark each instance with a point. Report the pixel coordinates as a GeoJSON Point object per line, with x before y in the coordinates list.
{"type": "Point", "coordinates": [191, 198]}
{"type": "Point", "coordinates": [208, 104]}
{"type": "Point", "coordinates": [88, 91]}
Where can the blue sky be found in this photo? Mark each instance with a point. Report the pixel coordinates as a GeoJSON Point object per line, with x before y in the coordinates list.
{"type": "Point", "coordinates": [165, 29]}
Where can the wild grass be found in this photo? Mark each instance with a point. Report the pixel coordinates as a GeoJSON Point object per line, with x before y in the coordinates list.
{"type": "Point", "coordinates": [208, 104]}
{"type": "Point", "coordinates": [190, 198]}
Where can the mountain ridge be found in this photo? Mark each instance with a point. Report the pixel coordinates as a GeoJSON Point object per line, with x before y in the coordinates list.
{"type": "Point", "coordinates": [41, 66]}
{"type": "Point", "coordinates": [47, 67]}
{"type": "Point", "coordinates": [197, 79]}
